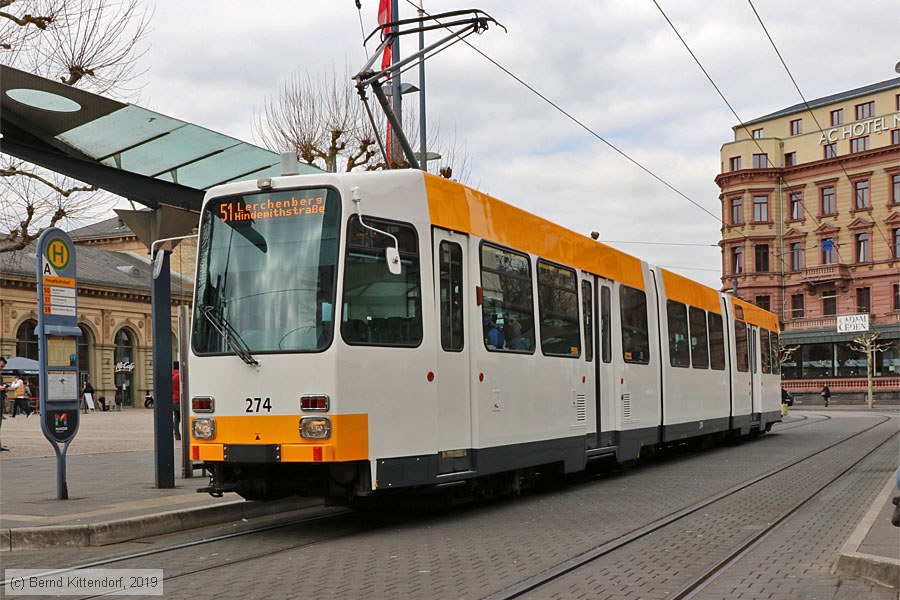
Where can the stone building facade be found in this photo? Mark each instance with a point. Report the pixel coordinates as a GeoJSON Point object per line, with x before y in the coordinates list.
{"type": "Point", "coordinates": [811, 230]}
{"type": "Point", "coordinates": [114, 314]}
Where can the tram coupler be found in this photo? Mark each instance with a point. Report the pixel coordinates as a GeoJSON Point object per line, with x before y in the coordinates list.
{"type": "Point", "coordinates": [217, 491]}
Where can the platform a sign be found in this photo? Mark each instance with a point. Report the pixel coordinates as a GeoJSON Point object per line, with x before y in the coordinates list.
{"type": "Point", "coordinates": [58, 334]}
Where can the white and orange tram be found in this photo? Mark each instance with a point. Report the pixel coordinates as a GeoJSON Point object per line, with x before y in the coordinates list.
{"type": "Point", "coordinates": [356, 334]}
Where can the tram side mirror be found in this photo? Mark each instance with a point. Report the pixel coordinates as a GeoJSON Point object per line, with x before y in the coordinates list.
{"type": "Point", "coordinates": [393, 260]}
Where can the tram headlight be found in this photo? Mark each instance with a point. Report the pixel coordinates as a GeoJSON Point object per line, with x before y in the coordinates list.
{"type": "Point", "coordinates": [315, 428]}
{"type": "Point", "coordinates": [204, 429]}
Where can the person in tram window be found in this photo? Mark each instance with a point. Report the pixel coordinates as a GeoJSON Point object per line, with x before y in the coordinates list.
{"type": "Point", "coordinates": [493, 337]}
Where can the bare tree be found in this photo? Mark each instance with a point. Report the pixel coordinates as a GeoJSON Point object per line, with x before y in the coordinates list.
{"type": "Point", "coordinates": [867, 343]}
{"type": "Point", "coordinates": [93, 44]}
{"type": "Point", "coordinates": [322, 117]}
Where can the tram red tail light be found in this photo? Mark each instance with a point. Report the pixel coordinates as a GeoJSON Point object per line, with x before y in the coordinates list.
{"type": "Point", "coordinates": [203, 404]}
{"type": "Point", "coordinates": [315, 403]}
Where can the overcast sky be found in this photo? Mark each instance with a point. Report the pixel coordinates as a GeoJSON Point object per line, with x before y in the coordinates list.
{"type": "Point", "coordinates": [617, 66]}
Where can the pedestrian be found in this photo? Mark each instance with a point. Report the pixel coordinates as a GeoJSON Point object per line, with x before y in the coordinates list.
{"type": "Point", "coordinates": [20, 402]}
{"type": "Point", "coordinates": [176, 400]}
{"type": "Point", "coordinates": [87, 394]}
{"type": "Point", "coordinates": [826, 394]}
{"type": "Point", "coordinates": [3, 389]}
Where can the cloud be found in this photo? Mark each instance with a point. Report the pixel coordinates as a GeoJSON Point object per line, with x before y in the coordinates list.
{"type": "Point", "coordinates": [617, 67]}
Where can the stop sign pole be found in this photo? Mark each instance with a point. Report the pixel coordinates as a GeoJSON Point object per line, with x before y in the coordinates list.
{"type": "Point", "coordinates": [58, 333]}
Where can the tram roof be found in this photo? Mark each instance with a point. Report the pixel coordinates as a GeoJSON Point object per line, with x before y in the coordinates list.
{"type": "Point", "coordinates": [126, 149]}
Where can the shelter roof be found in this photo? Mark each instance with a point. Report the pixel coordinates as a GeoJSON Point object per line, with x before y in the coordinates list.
{"type": "Point", "coordinates": [131, 151]}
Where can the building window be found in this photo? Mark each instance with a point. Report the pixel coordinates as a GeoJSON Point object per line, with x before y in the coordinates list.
{"type": "Point", "coordinates": [829, 303]}
{"type": "Point", "coordinates": [760, 161]}
{"type": "Point", "coordinates": [762, 258]}
{"type": "Point", "coordinates": [895, 243]}
{"type": "Point", "coordinates": [831, 150]}
{"type": "Point", "coordinates": [866, 110]}
{"type": "Point", "coordinates": [27, 340]}
{"type": "Point", "coordinates": [796, 126]}
{"type": "Point", "coordinates": [124, 359]}
{"type": "Point", "coordinates": [757, 134]}
{"type": "Point", "coordinates": [828, 253]}
{"type": "Point", "coordinates": [829, 202]}
{"type": "Point", "coordinates": [897, 296]}
{"type": "Point", "coordinates": [737, 260]}
{"type": "Point", "coordinates": [790, 159]}
{"type": "Point", "coordinates": [862, 248]}
{"type": "Point", "coordinates": [796, 206]}
{"type": "Point", "coordinates": [895, 189]}
{"type": "Point", "coordinates": [764, 302]}
{"type": "Point", "coordinates": [760, 209]}
{"type": "Point", "coordinates": [895, 137]}
{"type": "Point", "coordinates": [863, 300]}
{"type": "Point", "coordinates": [737, 211]}
{"type": "Point", "coordinates": [797, 306]}
{"type": "Point", "coordinates": [837, 117]}
{"type": "Point", "coordinates": [796, 256]}
{"type": "Point", "coordinates": [860, 144]}
{"type": "Point", "coordinates": [735, 163]}
{"type": "Point", "coordinates": [861, 190]}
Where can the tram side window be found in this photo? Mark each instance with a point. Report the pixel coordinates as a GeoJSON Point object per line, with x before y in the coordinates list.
{"type": "Point", "coordinates": [676, 314]}
{"type": "Point", "coordinates": [699, 343]}
{"type": "Point", "coordinates": [635, 334]}
{"type": "Point", "coordinates": [558, 310]}
{"type": "Point", "coordinates": [606, 324]}
{"type": "Point", "coordinates": [741, 347]}
{"type": "Point", "coordinates": [587, 307]}
{"type": "Point", "coordinates": [507, 310]}
{"type": "Point", "coordinates": [776, 354]}
{"type": "Point", "coordinates": [451, 291]}
{"type": "Point", "coordinates": [379, 308]}
{"type": "Point", "coordinates": [765, 357]}
{"type": "Point", "coordinates": [716, 342]}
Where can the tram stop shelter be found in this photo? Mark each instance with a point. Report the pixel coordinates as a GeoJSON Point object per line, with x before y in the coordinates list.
{"type": "Point", "coordinates": [152, 159]}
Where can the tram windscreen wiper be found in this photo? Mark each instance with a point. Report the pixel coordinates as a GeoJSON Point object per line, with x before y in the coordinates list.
{"type": "Point", "coordinates": [232, 337]}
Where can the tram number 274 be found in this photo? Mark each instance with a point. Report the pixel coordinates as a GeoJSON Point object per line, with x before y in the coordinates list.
{"type": "Point", "coordinates": [255, 404]}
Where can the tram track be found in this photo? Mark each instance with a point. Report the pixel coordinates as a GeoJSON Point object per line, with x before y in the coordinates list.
{"type": "Point", "coordinates": [332, 521]}
{"type": "Point", "coordinates": [697, 583]}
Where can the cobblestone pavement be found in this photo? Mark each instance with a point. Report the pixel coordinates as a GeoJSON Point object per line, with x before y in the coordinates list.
{"type": "Point", "coordinates": [98, 432]}
{"type": "Point", "coordinates": [477, 550]}
{"type": "Point", "coordinates": [793, 563]}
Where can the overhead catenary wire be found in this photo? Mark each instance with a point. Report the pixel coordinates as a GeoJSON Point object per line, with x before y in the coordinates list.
{"type": "Point", "coordinates": [741, 122]}
{"type": "Point", "coordinates": [808, 108]}
{"type": "Point", "coordinates": [585, 127]}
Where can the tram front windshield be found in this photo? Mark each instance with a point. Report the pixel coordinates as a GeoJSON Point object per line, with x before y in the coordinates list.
{"type": "Point", "coordinates": [266, 272]}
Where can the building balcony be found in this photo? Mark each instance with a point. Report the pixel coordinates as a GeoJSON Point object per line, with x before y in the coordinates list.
{"type": "Point", "coordinates": [829, 322]}
{"type": "Point", "coordinates": [836, 274]}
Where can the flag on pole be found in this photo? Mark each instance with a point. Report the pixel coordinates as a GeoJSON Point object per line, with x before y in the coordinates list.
{"type": "Point", "coordinates": [384, 17]}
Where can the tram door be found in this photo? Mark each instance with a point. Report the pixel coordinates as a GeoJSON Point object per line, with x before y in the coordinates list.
{"type": "Point", "coordinates": [603, 364]}
{"type": "Point", "coordinates": [755, 377]}
{"type": "Point", "coordinates": [454, 425]}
